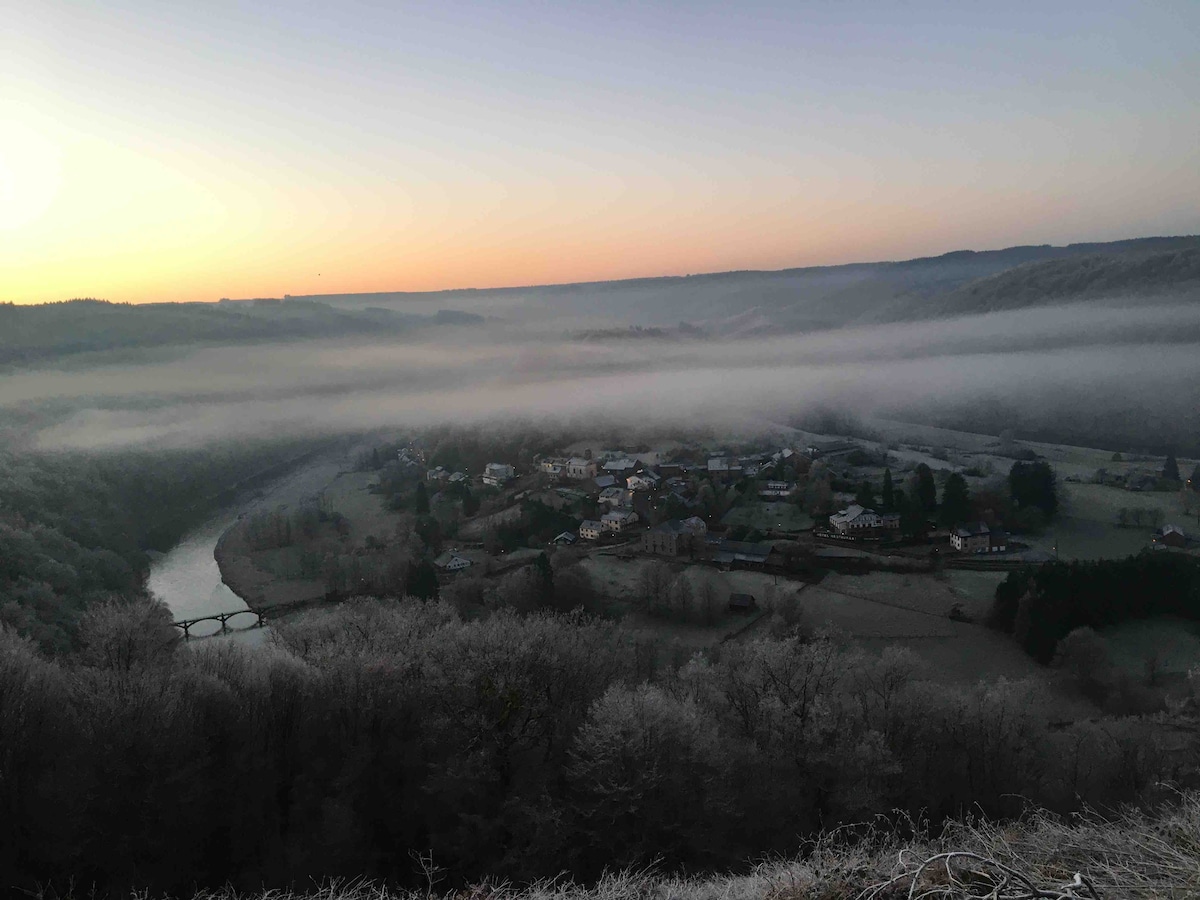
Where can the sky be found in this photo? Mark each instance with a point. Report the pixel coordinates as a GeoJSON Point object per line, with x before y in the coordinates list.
{"type": "Point", "coordinates": [162, 151]}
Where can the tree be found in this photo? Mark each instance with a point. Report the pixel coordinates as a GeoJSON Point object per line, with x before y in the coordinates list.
{"type": "Point", "coordinates": [913, 517]}
{"type": "Point", "coordinates": [865, 496]}
{"type": "Point", "coordinates": [421, 503]}
{"type": "Point", "coordinates": [543, 580]}
{"type": "Point", "coordinates": [924, 488]}
{"type": "Point", "coordinates": [1194, 481]}
{"type": "Point", "coordinates": [421, 581]}
{"type": "Point", "coordinates": [1033, 484]}
{"type": "Point", "coordinates": [956, 501]}
{"type": "Point", "coordinates": [1084, 654]}
{"type": "Point", "coordinates": [889, 492]}
{"type": "Point", "coordinates": [122, 635]}
{"type": "Point", "coordinates": [470, 503]}
{"type": "Point", "coordinates": [1171, 468]}
{"type": "Point", "coordinates": [654, 584]}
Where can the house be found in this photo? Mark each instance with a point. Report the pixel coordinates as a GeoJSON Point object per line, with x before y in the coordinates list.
{"type": "Point", "coordinates": [978, 537]}
{"type": "Point", "coordinates": [642, 481]}
{"type": "Point", "coordinates": [618, 520]}
{"type": "Point", "coordinates": [451, 562]}
{"type": "Point", "coordinates": [748, 553]}
{"type": "Point", "coordinates": [554, 466]}
{"type": "Point", "coordinates": [724, 465]}
{"type": "Point", "coordinates": [438, 474]}
{"type": "Point", "coordinates": [604, 481]}
{"type": "Point", "coordinates": [580, 468]}
{"type": "Point", "coordinates": [457, 477]}
{"type": "Point", "coordinates": [615, 497]}
{"type": "Point", "coordinates": [837, 448]}
{"type": "Point", "coordinates": [620, 467]}
{"type": "Point", "coordinates": [1171, 536]}
{"type": "Point", "coordinates": [590, 529]}
{"type": "Point", "coordinates": [776, 489]}
{"type": "Point", "coordinates": [857, 520]}
{"type": "Point", "coordinates": [742, 603]}
{"type": "Point", "coordinates": [674, 537]}
{"type": "Point", "coordinates": [497, 474]}
{"type": "Point", "coordinates": [565, 539]}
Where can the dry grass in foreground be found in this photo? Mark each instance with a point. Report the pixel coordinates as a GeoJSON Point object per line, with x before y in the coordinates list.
{"type": "Point", "coordinates": [1134, 855]}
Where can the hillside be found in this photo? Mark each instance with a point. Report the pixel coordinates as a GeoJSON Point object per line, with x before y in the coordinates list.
{"type": "Point", "coordinates": [1130, 275]}
{"type": "Point", "coordinates": [820, 297]}
{"type": "Point", "coordinates": [29, 334]}
{"type": "Point", "coordinates": [1132, 855]}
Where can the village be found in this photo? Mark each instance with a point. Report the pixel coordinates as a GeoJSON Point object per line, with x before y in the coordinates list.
{"type": "Point", "coordinates": [901, 537]}
{"type": "Point", "coordinates": [836, 503]}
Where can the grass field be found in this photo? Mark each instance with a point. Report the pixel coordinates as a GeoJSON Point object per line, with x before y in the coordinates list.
{"type": "Point", "coordinates": [1176, 641]}
{"type": "Point", "coordinates": [1086, 527]}
{"type": "Point", "coordinates": [768, 515]}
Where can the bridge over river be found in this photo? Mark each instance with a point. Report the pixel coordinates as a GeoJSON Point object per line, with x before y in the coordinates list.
{"type": "Point", "coordinates": [245, 619]}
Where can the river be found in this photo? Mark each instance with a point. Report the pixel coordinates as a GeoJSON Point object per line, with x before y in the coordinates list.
{"type": "Point", "coordinates": [187, 578]}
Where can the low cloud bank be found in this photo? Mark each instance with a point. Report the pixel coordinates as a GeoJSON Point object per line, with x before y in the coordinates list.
{"type": "Point", "coordinates": [1045, 364]}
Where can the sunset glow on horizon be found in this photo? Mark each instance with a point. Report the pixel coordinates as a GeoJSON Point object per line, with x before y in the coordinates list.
{"type": "Point", "coordinates": [175, 151]}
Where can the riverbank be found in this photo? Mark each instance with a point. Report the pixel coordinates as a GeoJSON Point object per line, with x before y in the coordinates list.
{"type": "Point", "coordinates": [259, 588]}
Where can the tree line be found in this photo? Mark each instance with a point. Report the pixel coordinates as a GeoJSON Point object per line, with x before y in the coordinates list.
{"type": "Point", "coordinates": [76, 528]}
{"type": "Point", "coordinates": [1040, 605]}
{"type": "Point", "coordinates": [508, 747]}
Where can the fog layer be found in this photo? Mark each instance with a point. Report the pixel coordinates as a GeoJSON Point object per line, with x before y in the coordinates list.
{"type": "Point", "coordinates": [1043, 365]}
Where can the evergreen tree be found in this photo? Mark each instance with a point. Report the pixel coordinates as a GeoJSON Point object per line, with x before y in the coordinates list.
{"type": "Point", "coordinates": [865, 496]}
{"type": "Point", "coordinates": [913, 518]}
{"type": "Point", "coordinates": [956, 501]}
{"type": "Point", "coordinates": [421, 581]}
{"type": "Point", "coordinates": [889, 492]}
{"type": "Point", "coordinates": [1194, 481]}
{"type": "Point", "coordinates": [543, 580]}
{"type": "Point", "coordinates": [1034, 484]}
{"type": "Point", "coordinates": [1171, 469]}
{"type": "Point", "coordinates": [925, 488]}
{"type": "Point", "coordinates": [470, 503]}
{"type": "Point", "coordinates": [421, 504]}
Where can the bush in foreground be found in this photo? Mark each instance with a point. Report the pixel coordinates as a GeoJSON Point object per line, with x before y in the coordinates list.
{"type": "Point", "coordinates": [1130, 855]}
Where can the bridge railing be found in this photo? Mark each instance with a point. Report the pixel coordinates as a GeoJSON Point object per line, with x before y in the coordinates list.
{"type": "Point", "coordinates": [186, 625]}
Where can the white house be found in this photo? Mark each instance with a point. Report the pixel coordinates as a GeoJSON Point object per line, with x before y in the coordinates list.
{"type": "Point", "coordinates": [978, 537]}
{"type": "Point", "coordinates": [618, 520]}
{"type": "Point", "coordinates": [857, 520]}
{"type": "Point", "coordinates": [451, 562]}
{"type": "Point", "coordinates": [776, 489]}
{"type": "Point", "coordinates": [497, 474]}
{"type": "Point", "coordinates": [642, 481]}
{"type": "Point", "coordinates": [590, 529]}
{"type": "Point", "coordinates": [580, 468]}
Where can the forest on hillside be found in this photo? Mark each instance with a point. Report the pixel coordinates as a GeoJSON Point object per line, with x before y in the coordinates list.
{"type": "Point", "coordinates": [75, 528]}
{"type": "Point", "coordinates": [35, 334]}
{"type": "Point", "coordinates": [515, 747]}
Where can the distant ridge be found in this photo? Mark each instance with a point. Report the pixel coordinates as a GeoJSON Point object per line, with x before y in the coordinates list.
{"type": "Point", "coordinates": [739, 302]}
{"type": "Point", "coordinates": [1008, 256]}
